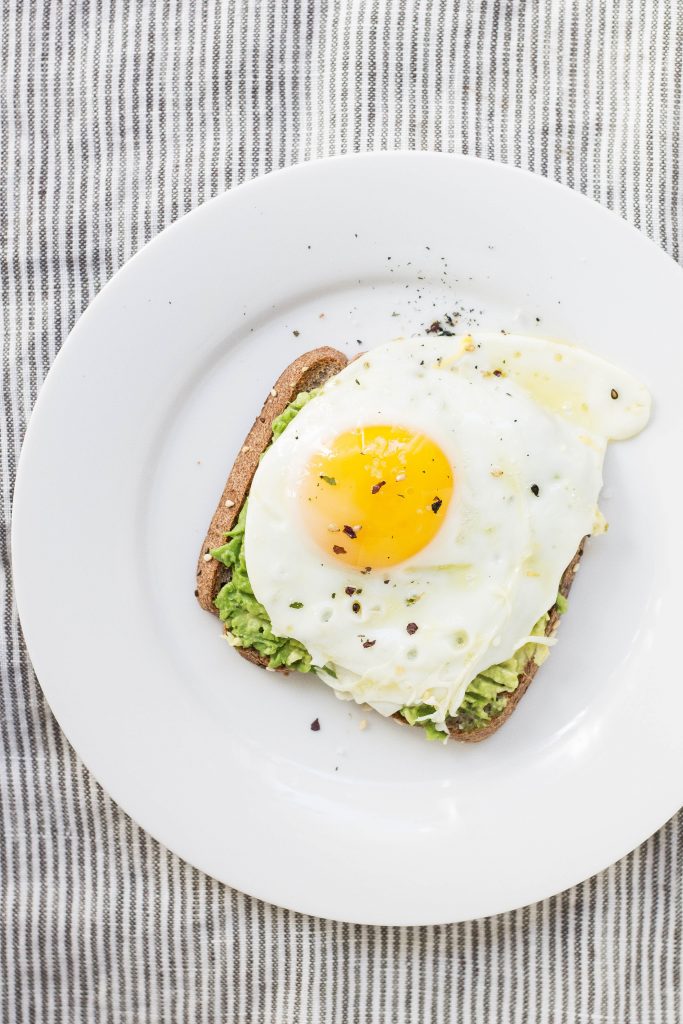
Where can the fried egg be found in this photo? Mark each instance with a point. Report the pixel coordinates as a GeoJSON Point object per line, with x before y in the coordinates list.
{"type": "Point", "coordinates": [413, 522]}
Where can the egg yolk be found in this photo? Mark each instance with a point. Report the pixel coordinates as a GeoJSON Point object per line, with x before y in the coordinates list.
{"type": "Point", "coordinates": [376, 495]}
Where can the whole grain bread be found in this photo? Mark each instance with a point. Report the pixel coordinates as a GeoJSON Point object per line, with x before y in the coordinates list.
{"type": "Point", "coordinates": [312, 370]}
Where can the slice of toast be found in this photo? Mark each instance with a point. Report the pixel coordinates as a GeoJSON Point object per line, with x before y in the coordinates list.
{"type": "Point", "coordinates": [309, 371]}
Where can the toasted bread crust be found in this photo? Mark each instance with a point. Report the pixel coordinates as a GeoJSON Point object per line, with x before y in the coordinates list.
{"type": "Point", "coordinates": [310, 370]}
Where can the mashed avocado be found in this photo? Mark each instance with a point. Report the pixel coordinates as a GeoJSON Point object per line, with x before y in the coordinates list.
{"type": "Point", "coordinates": [248, 625]}
{"type": "Point", "coordinates": [486, 695]}
{"type": "Point", "coordinates": [246, 619]}
{"type": "Point", "coordinates": [281, 422]}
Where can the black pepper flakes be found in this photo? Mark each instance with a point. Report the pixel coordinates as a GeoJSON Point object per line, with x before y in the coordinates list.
{"type": "Point", "coordinates": [376, 488]}
{"type": "Point", "coordinates": [411, 628]}
{"type": "Point", "coordinates": [614, 393]}
{"type": "Point", "coordinates": [338, 549]}
{"type": "Point", "coordinates": [369, 643]}
{"type": "Point", "coordinates": [497, 373]}
{"type": "Point", "coordinates": [315, 725]}
{"type": "Point", "coordinates": [366, 570]}
{"type": "Point", "coordinates": [350, 591]}
{"type": "Point", "coordinates": [535, 489]}
{"type": "Point", "coordinates": [355, 607]}
{"type": "Point", "coordinates": [436, 505]}
{"type": "Point", "coordinates": [350, 532]}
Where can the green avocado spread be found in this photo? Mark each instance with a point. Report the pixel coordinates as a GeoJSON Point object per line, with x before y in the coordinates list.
{"type": "Point", "coordinates": [486, 695]}
{"type": "Point", "coordinates": [248, 625]}
{"type": "Point", "coordinates": [246, 619]}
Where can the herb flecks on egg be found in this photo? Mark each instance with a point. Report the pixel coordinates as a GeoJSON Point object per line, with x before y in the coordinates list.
{"type": "Point", "coordinates": [387, 476]}
{"type": "Point", "coordinates": [411, 453]}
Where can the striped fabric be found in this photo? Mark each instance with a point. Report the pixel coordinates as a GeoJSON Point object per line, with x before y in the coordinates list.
{"type": "Point", "coordinates": [118, 116]}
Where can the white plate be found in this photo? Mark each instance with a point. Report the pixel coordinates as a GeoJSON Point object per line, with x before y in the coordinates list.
{"type": "Point", "coordinates": [126, 454]}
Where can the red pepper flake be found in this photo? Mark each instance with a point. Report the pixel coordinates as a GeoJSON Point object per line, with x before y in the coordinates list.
{"type": "Point", "coordinates": [436, 505]}
{"type": "Point", "coordinates": [412, 628]}
{"type": "Point", "coordinates": [434, 328]}
{"type": "Point", "coordinates": [369, 643]}
{"type": "Point", "coordinates": [366, 570]}
{"type": "Point", "coordinates": [350, 591]}
{"type": "Point", "coordinates": [350, 532]}
{"type": "Point", "coordinates": [355, 607]}
{"type": "Point", "coordinates": [338, 549]}
{"type": "Point", "coordinates": [315, 726]}
{"type": "Point", "coordinates": [497, 373]}
{"type": "Point", "coordinates": [376, 488]}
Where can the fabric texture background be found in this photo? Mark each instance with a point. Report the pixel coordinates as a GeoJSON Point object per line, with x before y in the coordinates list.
{"type": "Point", "coordinates": [116, 117]}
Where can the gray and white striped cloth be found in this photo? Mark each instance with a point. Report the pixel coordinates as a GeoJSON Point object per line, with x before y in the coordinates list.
{"type": "Point", "coordinates": [116, 117]}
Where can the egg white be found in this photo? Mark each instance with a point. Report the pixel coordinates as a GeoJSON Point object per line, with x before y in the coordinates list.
{"type": "Point", "coordinates": [510, 413]}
